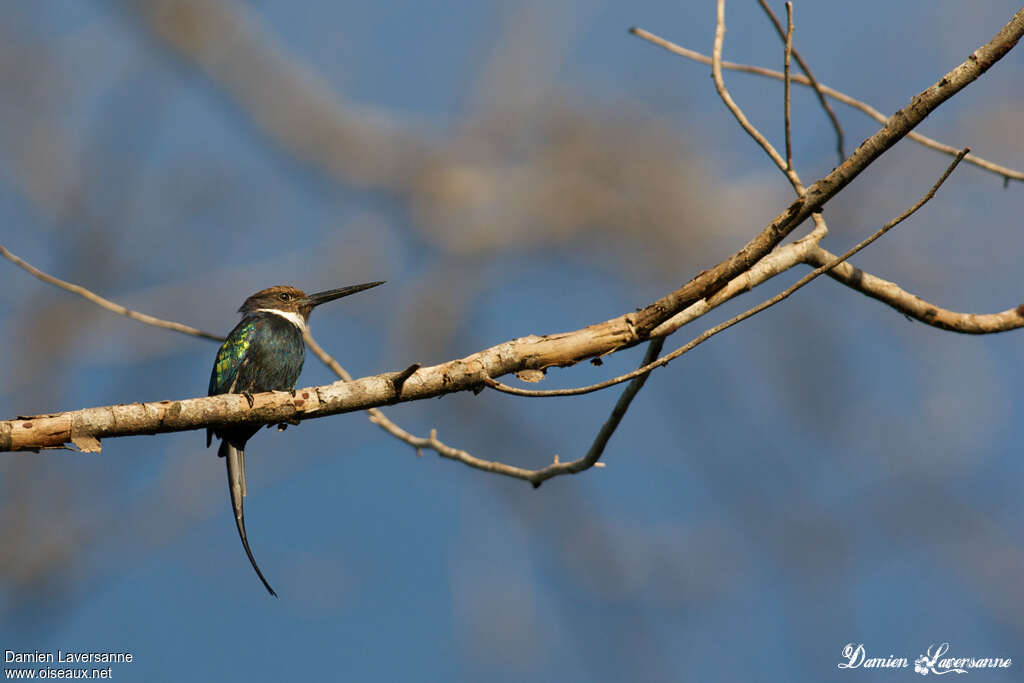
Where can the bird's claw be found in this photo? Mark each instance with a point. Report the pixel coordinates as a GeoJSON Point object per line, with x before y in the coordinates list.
{"type": "Point", "coordinates": [249, 397]}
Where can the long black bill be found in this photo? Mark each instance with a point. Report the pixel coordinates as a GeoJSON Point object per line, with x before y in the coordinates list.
{"type": "Point", "coordinates": [332, 294]}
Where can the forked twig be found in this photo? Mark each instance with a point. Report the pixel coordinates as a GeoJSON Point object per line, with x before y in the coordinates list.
{"type": "Point", "coordinates": [741, 118]}
{"type": "Point", "coordinates": [784, 165]}
{"type": "Point", "coordinates": [1003, 171]}
{"type": "Point", "coordinates": [812, 81]}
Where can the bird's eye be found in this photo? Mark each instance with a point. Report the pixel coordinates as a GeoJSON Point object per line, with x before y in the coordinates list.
{"type": "Point", "coordinates": [284, 296]}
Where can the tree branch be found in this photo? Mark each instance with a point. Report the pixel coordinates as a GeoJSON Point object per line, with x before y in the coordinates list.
{"type": "Point", "coordinates": [707, 334]}
{"type": "Point", "coordinates": [897, 126]}
{"type": "Point", "coordinates": [87, 442]}
{"type": "Point", "coordinates": [890, 294]}
{"type": "Point", "coordinates": [85, 427]}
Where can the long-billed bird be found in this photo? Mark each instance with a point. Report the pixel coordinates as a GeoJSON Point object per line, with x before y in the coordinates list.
{"type": "Point", "coordinates": [264, 352]}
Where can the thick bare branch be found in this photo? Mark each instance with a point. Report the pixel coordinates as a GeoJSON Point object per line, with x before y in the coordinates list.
{"type": "Point", "coordinates": [376, 416]}
{"type": "Point", "coordinates": [779, 260]}
{"type": "Point", "coordinates": [85, 427]}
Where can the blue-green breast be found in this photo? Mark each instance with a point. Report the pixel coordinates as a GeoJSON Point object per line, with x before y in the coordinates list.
{"type": "Point", "coordinates": [264, 352]}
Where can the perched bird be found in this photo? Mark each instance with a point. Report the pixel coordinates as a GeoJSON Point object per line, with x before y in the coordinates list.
{"type": "Point", "coordinates": [263, 353]}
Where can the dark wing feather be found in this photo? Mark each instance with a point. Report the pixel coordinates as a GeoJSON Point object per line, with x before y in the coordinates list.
{"type": "Point", "coordinates": [229, 358]}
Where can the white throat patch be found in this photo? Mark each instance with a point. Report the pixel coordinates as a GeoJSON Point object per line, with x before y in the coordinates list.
{"type": "Point", "coordinates": [291, 316]}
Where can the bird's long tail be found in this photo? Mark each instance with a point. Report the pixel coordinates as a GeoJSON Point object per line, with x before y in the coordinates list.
{"type": "Point", "coordinates": [235, 459]}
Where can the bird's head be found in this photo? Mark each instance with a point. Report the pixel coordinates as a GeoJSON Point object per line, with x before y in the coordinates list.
{"type": "Point", "coordinates": [291, 300]}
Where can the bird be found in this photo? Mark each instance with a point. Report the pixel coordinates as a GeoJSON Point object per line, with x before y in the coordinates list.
{"type": "Point", "coordinates": [264, 352]}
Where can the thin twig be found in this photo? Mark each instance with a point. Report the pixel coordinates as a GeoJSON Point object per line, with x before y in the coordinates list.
{"type": "Point", "coordinates": [707, 334]}
{"type": "Point", "coordinates": [1002, 171]}
{"type": "Point", "coordinates": [607, 429]}
{"type": "Point", "coordinates": [326, 358]}
{"type": "Point", "coordinates": [723, 92]}
{"type": "Point", "coordinates": [378, 418]}
{"type": "Point", "coordinates": [741, 118]}
{"type": "Point", "coordinates": [105, 303]}
{"type": "Point", "coordinates": [813, 82]}
{"type": "Point", "coordinates": [786, 86]}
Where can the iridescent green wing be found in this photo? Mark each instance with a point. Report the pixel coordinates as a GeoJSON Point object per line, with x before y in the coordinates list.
{"type": "Point", "coordinates": [230, 356]}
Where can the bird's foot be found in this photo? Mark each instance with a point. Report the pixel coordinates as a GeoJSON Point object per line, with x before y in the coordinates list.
{"type": "Point", "coordinates": [249, 397]}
